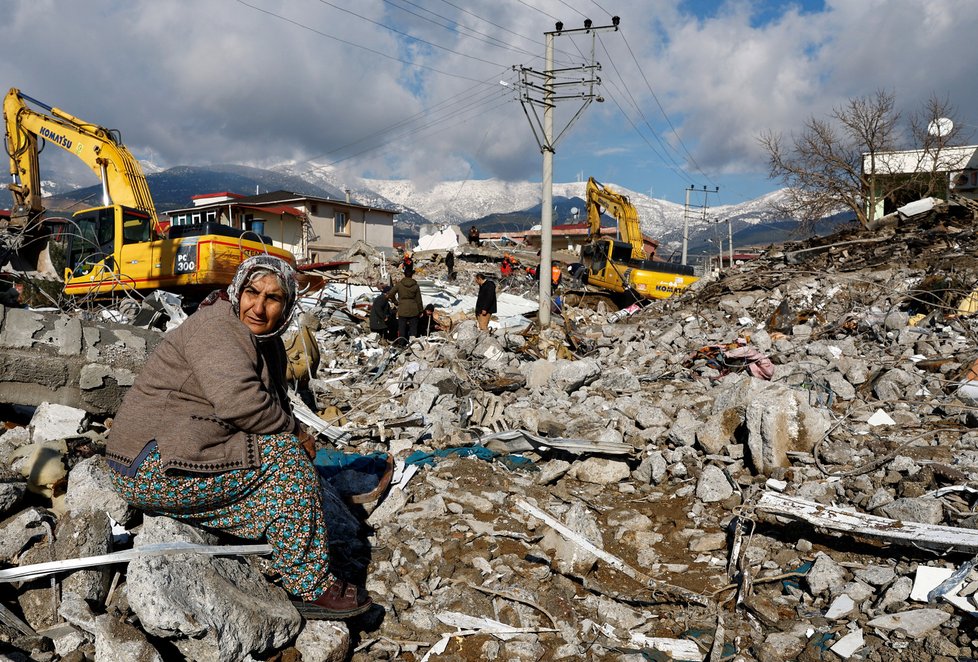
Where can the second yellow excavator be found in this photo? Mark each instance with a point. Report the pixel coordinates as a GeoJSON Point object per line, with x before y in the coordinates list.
{"type": "Point", "coordinates": [119, 246]}
{"type": "Point", "coordinates": [620, 267]}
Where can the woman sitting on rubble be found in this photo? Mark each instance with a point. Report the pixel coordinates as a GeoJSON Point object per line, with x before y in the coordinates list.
{"type": "Point", "coordinates": [206, 435]}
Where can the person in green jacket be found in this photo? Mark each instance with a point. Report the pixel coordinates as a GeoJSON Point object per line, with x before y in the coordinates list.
{"type": "Point", "coordinates": [407, 296]}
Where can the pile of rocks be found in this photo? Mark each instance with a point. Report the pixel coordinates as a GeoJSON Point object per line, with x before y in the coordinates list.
{"type": "Point", "coordinates": [609, 502]}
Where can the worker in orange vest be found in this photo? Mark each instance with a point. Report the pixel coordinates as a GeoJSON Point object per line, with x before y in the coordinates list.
{"type": "Point", "coordinates": [555, 273]}
{"type": "Point", "coordinates": [506, 268]}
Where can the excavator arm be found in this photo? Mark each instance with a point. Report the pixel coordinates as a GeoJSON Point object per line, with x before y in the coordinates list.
{"type": "Point", "coordinates": [621, 209]}
{"type": "Point", "coordinates": [101, 149]}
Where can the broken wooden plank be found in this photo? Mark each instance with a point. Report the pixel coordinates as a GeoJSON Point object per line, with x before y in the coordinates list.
{"type": "Point", "coordinates": [911, 534]}
{"type": "Point", "coordinates": [679, 593]}
{"type": "Point", "coordinates": [35, 570]}
{"type": "Point", "coordinates": [519, 441]}
{"type": "Point", "coordinates": [8, 618]}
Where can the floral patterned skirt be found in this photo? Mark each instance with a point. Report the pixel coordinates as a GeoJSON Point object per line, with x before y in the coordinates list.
{"type": "Point", "coordinates": [280, 501]}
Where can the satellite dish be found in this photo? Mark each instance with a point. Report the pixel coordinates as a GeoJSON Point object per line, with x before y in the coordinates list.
{"type": "Point", "coordinates": [940, 128]}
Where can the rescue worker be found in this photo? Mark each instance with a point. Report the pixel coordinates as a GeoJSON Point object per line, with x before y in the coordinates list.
{"type": "Point", "coordinates": [506, 268]}
{"type": "Point", "coordinates": [474, 236]}
{"type": "Point", "coordinates": [407, 262]}
{"type": "Point", "coordinates": [485, 303]}
{"type": "Point", "coordinates": [428, 323]}
{"type": "Point", "coordinates": [382, 315]}
{"type": "Point", "coordinates": [407, 296]}
{"type": "Point", "coordinates": [556, 272]}
{"type": "Point", "coordinates": [450, 264]}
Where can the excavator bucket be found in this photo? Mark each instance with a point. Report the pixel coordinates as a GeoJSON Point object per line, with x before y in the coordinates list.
{"type": "Point", "coordinates": [26, 250]}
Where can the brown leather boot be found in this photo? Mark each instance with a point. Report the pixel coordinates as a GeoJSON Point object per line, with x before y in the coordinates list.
{"type": "Point", "coordinates": [338, 602]}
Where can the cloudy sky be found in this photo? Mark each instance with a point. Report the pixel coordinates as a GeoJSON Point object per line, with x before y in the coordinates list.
{"type": "Point", "coordinates": [426, 89]}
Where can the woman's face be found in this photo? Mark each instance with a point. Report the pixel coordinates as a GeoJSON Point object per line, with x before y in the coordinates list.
{"type": "Point", "coordinates": [262, 303]}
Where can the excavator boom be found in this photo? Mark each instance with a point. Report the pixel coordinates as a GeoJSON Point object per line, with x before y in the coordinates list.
{"type": "Point", "coordinates": [621, 209]}
{"type": "Point", "coordinates": [101, 149]}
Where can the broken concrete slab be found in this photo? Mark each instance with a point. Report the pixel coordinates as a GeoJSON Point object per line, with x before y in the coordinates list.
{"type": "Point", "coordinates": [324, 641]}
{"type": "Point", "coordinates": [913, 623]}
{"type": "Point", "coordinates": [221, 607]}
{"type": "Point", "coordinates": [54, 422]}
{"type": "Point", "coordinates": [90, 489]}
{"type": "Point", "coordinates": [600, 471]}
{"type": "Point", "coordinates": [118, 641]}
{"type": "Point", "coordinates": [781, 420]}
{"type": "Point", "coordinates": [713, 485]}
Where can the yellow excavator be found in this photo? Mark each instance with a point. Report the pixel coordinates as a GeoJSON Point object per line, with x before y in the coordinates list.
{"type": "Point", "coordinates": [119, 246]}
{"type": "Point", "coordinates": [620, 266]}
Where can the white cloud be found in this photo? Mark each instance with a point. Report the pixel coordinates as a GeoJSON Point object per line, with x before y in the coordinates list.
{"type": "Point", "coordinates": [210, 81]}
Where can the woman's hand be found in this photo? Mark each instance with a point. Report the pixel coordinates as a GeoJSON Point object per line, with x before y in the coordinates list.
{"type": "Point", "coordinates": [308, 443]}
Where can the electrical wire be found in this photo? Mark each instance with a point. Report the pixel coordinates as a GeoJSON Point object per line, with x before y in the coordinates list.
{"type": "Point", "coordinates": [496, 25]}
{"type": "Point", "coordinates": [663, 145]}
{"type": "Point", "coordinates": [356, 45]}
{"type": "Point", "coordinates": [409, 36]}
{"type": "Point", "coordinates": [663, 110]}
{"type": "Point", "coordinates": [488, 39]}
{"type": "Point", "coordinates": [409, 131]}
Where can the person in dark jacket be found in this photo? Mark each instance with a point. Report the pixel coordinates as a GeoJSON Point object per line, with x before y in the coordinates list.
{"type": "Point", "coordinates": [485, 303]}
{"type": "Point", "coordinates": [407, 296]}
{"type": "Point", "coordinates": [206, 434]}
{"type": "Point", "coordinates": [429, 323]}
{"type": "Point", "coordinates": [474, 236]}
{"type": "Point", "coordinates": [450, 264]}
{"type": "Point", "coordinates": [382, 321]}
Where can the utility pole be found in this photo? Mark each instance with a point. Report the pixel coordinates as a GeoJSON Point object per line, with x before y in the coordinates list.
{"type": "Point", "coordinates": [730, 239]}
{"type": "Point", "coordinates": [545, 137]}
{"type": "Point", "coordinates": [687, 211]}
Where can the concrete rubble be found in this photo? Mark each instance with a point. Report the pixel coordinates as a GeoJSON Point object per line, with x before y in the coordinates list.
{"type": "Point", "coordinates": [612, 488]}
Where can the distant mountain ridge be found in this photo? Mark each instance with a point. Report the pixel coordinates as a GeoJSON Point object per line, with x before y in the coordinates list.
{"type": "Point", "coordinates": [510, 206]}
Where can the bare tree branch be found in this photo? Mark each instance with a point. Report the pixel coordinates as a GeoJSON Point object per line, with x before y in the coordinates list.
{"type": "Point", "coordinates": [847, 160]}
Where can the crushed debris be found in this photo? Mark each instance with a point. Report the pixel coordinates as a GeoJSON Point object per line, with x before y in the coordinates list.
{"type": "Point", "coordinates": [780, 463]}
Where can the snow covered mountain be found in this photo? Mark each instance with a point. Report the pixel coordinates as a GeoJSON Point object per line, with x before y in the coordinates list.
{"type": "Point", "coordinates": [458, 202]}
{"type": "Point", "coordinates": [490, 203]}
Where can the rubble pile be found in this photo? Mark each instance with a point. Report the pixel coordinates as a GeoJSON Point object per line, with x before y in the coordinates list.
{"type": "Point", "coordinates": [779, 464]}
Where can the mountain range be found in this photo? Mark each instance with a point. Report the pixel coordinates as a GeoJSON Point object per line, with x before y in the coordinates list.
{"type": "Point", "coordinates": [492, 205]}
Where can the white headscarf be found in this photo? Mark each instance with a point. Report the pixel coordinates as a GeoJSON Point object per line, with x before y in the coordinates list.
{"type": "Point", "coordinates": [255, 267]}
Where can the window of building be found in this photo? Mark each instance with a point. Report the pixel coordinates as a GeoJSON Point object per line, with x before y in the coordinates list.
{"type": "Point", "coordinates": [195, 218]}
{"type": "Point", "coordinates": [341, 223]}
{"type": "Point", "coordinates": [211, 216]}
{"type": "Point", "coordinates": [314, 209]}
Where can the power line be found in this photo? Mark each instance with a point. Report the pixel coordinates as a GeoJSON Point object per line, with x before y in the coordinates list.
{"type": "Point", "coordinates": [674, 167]}
{"type": "Point", "coordinates": [664, 146]}
{"type": "Point", "coordinates": [409, 36]}
{"type": "Point", "coordinates": [420, 130]}
{"type": "Point", "coordinates": [489, 39]}
{"type": "Point", "coordinates": [492, 95]}
{"type": "Point", "coordinates": [573, 9]}
{"type": "Point", "coordinates": [496, 25]}
{"type": "Point", "coordinates": [663, 111]}
{"type": "Point", "coordinates": [537, 9]}
{"type": "Point", "coordinates": [356, 45]}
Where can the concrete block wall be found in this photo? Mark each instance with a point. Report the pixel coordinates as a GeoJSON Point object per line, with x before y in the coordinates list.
{"type": "Point", "coordinates": [53, 357]}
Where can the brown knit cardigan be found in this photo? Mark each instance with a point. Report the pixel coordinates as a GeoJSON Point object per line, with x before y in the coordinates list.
{"type": "Point", "coordinates": [203, 394]}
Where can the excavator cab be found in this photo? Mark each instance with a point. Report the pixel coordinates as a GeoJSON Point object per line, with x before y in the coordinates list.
{"type": "Point", "coordinates": [100, 234]}
{"type": "Point", "coordinates": [92, 241]}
